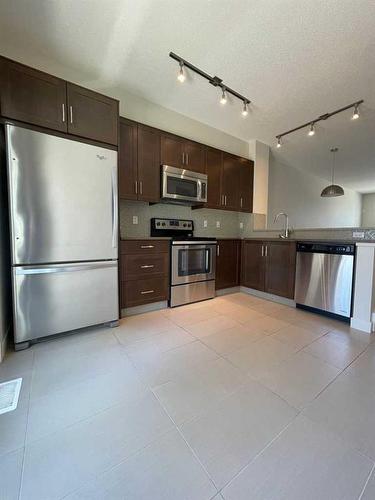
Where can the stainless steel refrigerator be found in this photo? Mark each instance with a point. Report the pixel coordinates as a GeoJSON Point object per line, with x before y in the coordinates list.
{"type": "Point", "coordinates": [63, 227]}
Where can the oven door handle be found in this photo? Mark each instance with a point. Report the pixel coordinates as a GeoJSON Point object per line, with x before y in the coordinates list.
{"type": "Point", "coordinates": [208, 260]}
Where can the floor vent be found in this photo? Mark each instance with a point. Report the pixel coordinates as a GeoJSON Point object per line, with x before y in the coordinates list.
{"type": "Point", "coordinates": [9, 393]}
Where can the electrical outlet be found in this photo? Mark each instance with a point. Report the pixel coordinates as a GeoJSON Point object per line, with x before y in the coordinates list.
{"type": "Point", "coordinates": [218, 224]}
{"type": "Point", "coordinates": [135, 219]}
{"type": "Point", "coordinates": [359, 235]}
{"type": "Point", "coordinates": [204, 223]}
{"type": "Point", "coordinates": [241, 225]}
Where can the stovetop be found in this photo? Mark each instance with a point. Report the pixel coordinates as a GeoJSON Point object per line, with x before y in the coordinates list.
{"type": "Point", "coordinates": [192, 238]}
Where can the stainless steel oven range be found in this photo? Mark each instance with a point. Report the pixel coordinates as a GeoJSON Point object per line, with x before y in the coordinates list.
{"type": "Point", "coordinates": [193, 261]}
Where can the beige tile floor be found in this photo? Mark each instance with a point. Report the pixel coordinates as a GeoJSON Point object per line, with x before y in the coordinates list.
{"type": "Point", "coordinates": [234, 398]}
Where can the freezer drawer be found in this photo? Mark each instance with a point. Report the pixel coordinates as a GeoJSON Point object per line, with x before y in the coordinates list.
{"type": "Point", "coordinates": [325, 281]}
{"type": "Point", "coordinates": [52, 299]}
{"type": "Point", "coordinates": [62, 199]}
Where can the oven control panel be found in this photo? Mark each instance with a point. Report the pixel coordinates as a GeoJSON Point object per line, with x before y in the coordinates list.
{"type": "Point", "coordinates": [171, 227]}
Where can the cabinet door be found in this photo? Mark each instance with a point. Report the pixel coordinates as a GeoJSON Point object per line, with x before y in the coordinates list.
{"type": "Point", "coordinates": [280, 268]}
{"type": "Point", "coordinates": [148, 164]}
{"type": "Point", "coordinates": [92, 115]}
{"type": "Point", "coordinates": [127, 159]}
{"type": "Point", "coordinates": [227, 263]}
{"type": "Point", "coordinates": [194, 157]}
{"type": "Point", "coordinates": [231, 182]}
{"type": "Point", "coordinates": [246, 185]}
{"type": "Point", "coordinates": [171, 151]}
{"type": "Point", "coordinates": [31, 96]}
{"type": "Point", "coordinates": [252, 264]}
{"type": "Point", "coordinates": [214, 164]}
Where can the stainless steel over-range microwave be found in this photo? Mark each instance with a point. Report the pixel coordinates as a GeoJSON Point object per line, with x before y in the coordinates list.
{"type": "Point", "coordinates": [183, 186]}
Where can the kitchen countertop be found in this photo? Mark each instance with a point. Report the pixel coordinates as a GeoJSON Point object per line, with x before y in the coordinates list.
{"type": "Point", "coordinates": [303, 240]}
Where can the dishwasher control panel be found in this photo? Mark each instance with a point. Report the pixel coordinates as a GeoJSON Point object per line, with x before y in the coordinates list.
{"type": "Point", "coordinates": [328, 248]}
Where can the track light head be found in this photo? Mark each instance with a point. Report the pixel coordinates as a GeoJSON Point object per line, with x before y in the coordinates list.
{"type": "Point", "coordinates": [245, 110]}
{"type": "Point", "coordinates": [312, 129]}
{"type": "Point", "coordinates": [223, 99]}
{"type": "Point", "coordinates": [279, 143]}
{"type": "Point", "coordinates": [181, 74]}
{"type": "Point", "coordinates": [355, 112]}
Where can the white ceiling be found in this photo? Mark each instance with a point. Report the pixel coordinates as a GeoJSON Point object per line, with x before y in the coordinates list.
{"type": "Point", "coordinates": [295, 59]}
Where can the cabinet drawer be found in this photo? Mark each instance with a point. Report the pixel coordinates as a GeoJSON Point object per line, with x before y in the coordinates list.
{"type": "Point", "coordinates": [142, 266]}
{"type": "Point", "coordinates": [144, 291]}
{"type": "Point", "coordinates": [140, 247]}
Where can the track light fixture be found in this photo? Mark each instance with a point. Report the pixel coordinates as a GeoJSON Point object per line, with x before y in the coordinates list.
{"type": "Point", "coordinates": [311, 124]}
{"type": "Point", "coordinates": [223, 99]}
{"type": "Point", "coordinates": [312, 129]}
{"type": "Point", "coordinates": [214, 80]}
{"type": "Point", "coordinates": [245, 110]}
{"type": "Point", "coordinates": [181, 74]}
{"type": "Point", "coordinates": [355, 113]}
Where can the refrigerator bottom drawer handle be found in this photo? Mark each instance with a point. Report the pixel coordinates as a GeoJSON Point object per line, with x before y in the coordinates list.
{"type": "Point", "coordinates": [62, 269]}
{"type": "Point", "coordinates": [147, 291]}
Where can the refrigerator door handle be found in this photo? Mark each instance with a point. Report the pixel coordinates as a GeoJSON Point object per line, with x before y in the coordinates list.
{"type": "Point", "coordinates": [114, 208]}
{"type": "Point", "coordinates": [63, 268]}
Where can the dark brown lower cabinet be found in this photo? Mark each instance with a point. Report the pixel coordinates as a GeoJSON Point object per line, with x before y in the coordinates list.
{"type": "Point", "coordinates": [280, 268]}
{"type": "Point", "coordinates": [252, 264]}
{"type": "Point", "coordinates": [144, 275]}
{"type": "Point", "coordinates": [269, 266]}
{"type": "Point", "coordinates": [227, 263]}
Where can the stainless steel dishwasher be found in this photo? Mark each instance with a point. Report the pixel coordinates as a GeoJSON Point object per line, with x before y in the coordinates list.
{"type": "Point", "coordinates": [324, 277]}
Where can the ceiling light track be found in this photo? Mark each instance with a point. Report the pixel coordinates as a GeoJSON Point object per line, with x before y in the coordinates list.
{"type": "Point", "coordinates": [214, 80]}
{"type": "Point", "coordinates": [311, 123]}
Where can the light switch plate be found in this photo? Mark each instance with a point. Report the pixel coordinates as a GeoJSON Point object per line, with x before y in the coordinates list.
{"type": "Point", "coordinates": [218, 224]}
{"type": "Point", "coordinates": [241, 225]}
{"type": "Point", "coordinates": [204, 223]}
{"type": "Point", "coordinates": [135, 219]}
{"type": "Point", "coordinates": [358, 235]}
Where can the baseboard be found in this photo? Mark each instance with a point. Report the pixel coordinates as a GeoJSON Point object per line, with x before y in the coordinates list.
{"type": "Point", "coordinates": [360, 324]}
{"type": "Point", "coordinates": [268, 296]}
{"type": "Point", "coordinates": [154, 306]}
{"type": "Point", "coordinates": [4, 344]}
{"type": "Point", "coordinates": [227, 291]}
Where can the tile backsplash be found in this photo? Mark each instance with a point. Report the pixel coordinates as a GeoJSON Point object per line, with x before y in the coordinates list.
{"type": "Point", "coordinates": [229, 221]}
{"type": "Point", "coordinates": [232, 224]}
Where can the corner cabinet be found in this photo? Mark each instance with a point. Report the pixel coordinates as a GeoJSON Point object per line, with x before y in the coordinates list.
{"type": "Point", "coordinates": [269, 266]}
{"type": "Point", "coordinates": [139, 162]}
{"type": "Point", "coordinates": [227, 263]}
{"type": "Point", "coordinates": [31, 96]}
{"type": "Point", "coordinates": [37, 98]}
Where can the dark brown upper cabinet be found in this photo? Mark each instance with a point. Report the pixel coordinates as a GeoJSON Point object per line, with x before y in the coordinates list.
{"type": "Point", "coordinates": [280, 268]}
{"type": "Point", "coordinates": [227, 263]}
{"type": "Point", "coordinates": [214, 165]}
{"type": "Point", "coordinates": [31, 96]}
{"type": "Point", "coordinates": [139, 162]}
{"type": "Point", "coordinates": [252, 264]}
{"type": "Point", "coordinates": [148, 164]}
{"type": "Point", "coordinates": [246, 185]}
{"type": "Point", "coordinates": [230, 182]}
{"type": "Point", "coordinates": [127, 160]}
{"type": "Point", "coordinates": [92, 115]}
{"type": "Point", "coordinates": [182, 153]}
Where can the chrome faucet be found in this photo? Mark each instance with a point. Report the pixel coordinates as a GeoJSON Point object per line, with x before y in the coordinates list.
{"type": "Point", "coordinates": [287, 231]}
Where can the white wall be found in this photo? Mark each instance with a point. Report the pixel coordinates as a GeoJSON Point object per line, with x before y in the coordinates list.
{"type": "Point", "coordinates": [298, 194]}
{"type": "Point", "coordinates": [368, 210]}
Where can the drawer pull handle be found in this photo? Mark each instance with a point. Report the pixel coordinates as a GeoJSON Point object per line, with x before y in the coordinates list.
{"type": "Point", "coordinates": [147, 267]}
{"type": "Point", "coordinates": [147, 246]}
{"type": "Point", "coordinates": [147, 291]}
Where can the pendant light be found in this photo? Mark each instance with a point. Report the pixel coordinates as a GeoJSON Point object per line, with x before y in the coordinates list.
{"type": "Point", "coordinates": [332, 190]}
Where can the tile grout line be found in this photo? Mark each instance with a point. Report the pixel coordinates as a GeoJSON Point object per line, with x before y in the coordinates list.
{"type": "Point", "coordinates": [27, 425]}
{"type": "Point", "coordinates": [366, 482]}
